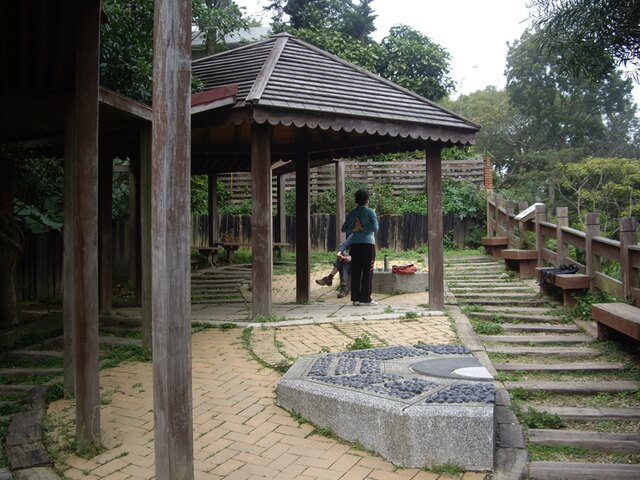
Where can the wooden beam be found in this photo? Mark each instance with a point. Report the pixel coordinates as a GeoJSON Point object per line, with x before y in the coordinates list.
{"type": "Point", "coordinates": [68, 254]}
{"type": "Point", "coordinates": [105, 239]}
{"type": "Point", "coordinates": [170, 255]}
{"type": "Point", "coordinates": [85, 228]}
{"type": "Point", "coordinates": [261, 220]}
{"type": "Point", "coordinates": [303, 231]}
{"type": "Point", "coordinates": [145, 229]}
{"type": "Point", "coordinates": [340, 202]}
{"type": "Point", "coordinates": [435, 228]}
{"type": "Point", "coordinates": [282, 209]}
{"type": "Point", "coordinates": [212, 208]}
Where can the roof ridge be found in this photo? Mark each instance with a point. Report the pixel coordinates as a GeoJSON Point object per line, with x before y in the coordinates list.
{"type": "Point", "coordinates": [267, 69]}
{"type": "Point", "coordinates": [235, 50]}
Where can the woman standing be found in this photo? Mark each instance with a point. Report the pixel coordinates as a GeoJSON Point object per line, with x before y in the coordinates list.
{"type": "Point", "coordinates": [363, 223]}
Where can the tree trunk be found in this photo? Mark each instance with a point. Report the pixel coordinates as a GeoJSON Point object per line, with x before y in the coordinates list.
{"type": "Point", "coordinates": [11, 245]}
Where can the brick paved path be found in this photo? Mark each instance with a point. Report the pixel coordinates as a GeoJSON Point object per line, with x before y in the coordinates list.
{"type": "Point", "coordinates": [239, 432]}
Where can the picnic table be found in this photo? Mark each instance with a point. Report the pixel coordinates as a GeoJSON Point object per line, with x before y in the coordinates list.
{"type": "Point", "coordinates": [230, 247]}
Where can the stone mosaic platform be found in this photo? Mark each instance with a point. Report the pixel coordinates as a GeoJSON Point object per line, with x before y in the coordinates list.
{"type": "Point", "coordinates": [416, 406]}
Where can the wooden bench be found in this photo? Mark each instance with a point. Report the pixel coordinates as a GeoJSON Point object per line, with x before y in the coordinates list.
{"type": "Point", "coordinates": [616, 317]}
{"type": "Point", "coordinates": [522, 261]}
{"type": "Point", "coordinates": [567, 283]}
{"type": "Point", "coordinates": [494, 245]}
{"type": "Point", "coordinates": [231, 247]}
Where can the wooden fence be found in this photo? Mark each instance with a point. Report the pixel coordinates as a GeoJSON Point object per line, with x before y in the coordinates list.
{"type": "Point", "coordinates": [613, 266]}
{"type": "Point", "coordinates": [40, 271]}
{"type": "Point", "coordinates": [409, 175]}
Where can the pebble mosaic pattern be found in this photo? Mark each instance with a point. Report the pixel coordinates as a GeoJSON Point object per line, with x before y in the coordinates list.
{"type": "Point", "coordinates": [363, 370]}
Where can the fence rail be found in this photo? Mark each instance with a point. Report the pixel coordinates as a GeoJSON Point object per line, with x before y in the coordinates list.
{"type": "Point", "coordinates": [613, 266]}
{"type": "Point", "coordinates": [409, 175]}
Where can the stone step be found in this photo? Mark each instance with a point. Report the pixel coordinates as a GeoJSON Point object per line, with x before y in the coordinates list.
{"type": "Point", "coordinates": [578, 388]}
{"type": "Point", "coordinates": [555, 351]}
{"type": "Point", "coordinates": [29, 372]}
{"type": "Point", "coordinates": [212, 301]}
{"type": "Point", "coordinates": [17, 388]}
{"type": "Point", "coordinates": [534, 328]}
{"type": "Point", "coordinates": [559, 367]}
{"type": "Point", "coordinates": [583, 471]}
{"type": "Point", "coordinates": [501, 302]}
{"type": "Point", "coordinates": [541, 339]}
{"type": "Point", "coordinates": [489, 283]}
{"type": "Point", "coordinates": [499, 290]}
{"type": "Point", "coordinates": [589, 414]}
{"type": "Point", "coordinates": [505, 295]}
{"type": "Point", "coordinates": [36, 354]}
{"type": "Point", "coordinates": [522, 310]}
{"type": "Point", "coordinates": [596, 441]}
{"type": "Point", "coordinates": [476, 276]}
{"type": "Point", "coordinates": [512, 317]}
{"type": "Point", "coordinates": [109, 340]}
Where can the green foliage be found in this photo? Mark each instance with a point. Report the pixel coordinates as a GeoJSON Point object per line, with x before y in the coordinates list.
{"type": "Point", "coordinates": [113, 355]}
{"type": "Point", "coordinates": [537, 419]}
{"type": "Point", "coordinates": [582, 308]}
{"type": "Point", "coordinates": [590, 38]}
{"type": "Point", "coordinates": [463, 199]}
{"type": "Point", "coordinates": [483, 327]}
{"type": "Point", "coordinates": [447, 469]}
{"type": "Point", "coordinates": [39, 192]}
{"type": "Point", "coordinates": [360, 343]}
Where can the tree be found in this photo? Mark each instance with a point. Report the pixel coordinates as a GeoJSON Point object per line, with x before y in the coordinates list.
{"type": "Point", "coordinates": [413, 61]}
{"type": "Point", "coordinates": [558, 110]}
{"type": "Point", "coordinates": [591, 37]}
{"type": "Point", "coordinates": [126, 41]}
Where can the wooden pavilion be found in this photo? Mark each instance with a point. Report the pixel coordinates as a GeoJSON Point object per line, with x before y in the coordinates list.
{"type": "Point", "coordinates": [296, 103]}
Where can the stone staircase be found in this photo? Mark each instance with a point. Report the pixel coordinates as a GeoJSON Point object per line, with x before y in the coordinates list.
{"type": "Point", "coordinates": [553, 371]}
{"type": "Point", "coordinates": [229, 284]}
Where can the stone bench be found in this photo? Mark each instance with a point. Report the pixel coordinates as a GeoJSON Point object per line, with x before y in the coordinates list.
{"type": "Point", "coordinates": [494, 245]}
{"type": "Point", "coordinates": [522, 261]}
{"type": "Point", "coordinates": [568, 284]}
{"type": "Point", "coordinates": [616, 317]}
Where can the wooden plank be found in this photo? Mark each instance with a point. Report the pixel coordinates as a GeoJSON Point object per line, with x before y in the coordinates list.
{"type": "Point", "coordinates": [170, 253]}
{"type": "Point", "coordinates": [582, 388]}
{"type": "Point", "coordinates": [574, 281]}
{"type": "Point", "coordinates": [516, 254]}
{"type": "Point", "coordinates": [618, 316]}
{"type": "Point", "coordinates": [494, 241]}
{"type": "Point", "coordinates": [559, 367]}
{"type": "Point", "coordinates": [589, 414]}
{"type": "Point", "coordinates": [598, 441]}
{"type": "Point", "coordinates": [303, 240]}
{"type": "Point", "coordinates": [532, 339]}
{"type": "Point", "coordinates": [583, 471]}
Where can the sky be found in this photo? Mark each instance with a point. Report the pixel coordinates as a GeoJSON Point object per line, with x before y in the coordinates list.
{"type": "Point", "coordinates": [474, 32]}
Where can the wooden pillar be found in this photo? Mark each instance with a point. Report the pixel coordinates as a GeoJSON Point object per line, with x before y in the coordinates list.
{"type": "Point", "coordinates": [212, 204]}
{"type": "Point", "coordinates": [170, 255]}
{"type": "Point", "coordinates": [435, 230]}
{"type": "Point", "coordinates": [510, 224]}
{"type": "Point", "coordinates": [282, 209]}
{"type": "Point", "coordinates": [540, 216]}
{"type": "Point", "coordinates": [562, 220]}
{"type": "Point", "coordinates": [135, 261]}
{"type": "Point", "coordinates": [68, 253]}
{"type": "Point", "coordinates": [261, 220]}
{"type": "Point", "coordinates": [340, 203]}
{"type": "Point", "coordinates": [303, 230]}
{"type": "Point", "coordinates": [592, 261]}
{"type": "Point", "coordinates": [105, 239]}
{"type": "Point", "coordinates": [145, 229]}
{"type": "Point", "coordinates": [85, 224]}
{"type": "Point", "coordinates": [628, 237]}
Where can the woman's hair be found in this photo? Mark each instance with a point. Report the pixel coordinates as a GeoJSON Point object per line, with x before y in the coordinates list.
{"type": "Point", "coordinates": [362, 197]}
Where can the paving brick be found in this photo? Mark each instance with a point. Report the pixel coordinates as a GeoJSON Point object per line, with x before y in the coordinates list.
{"type": "Point", "coordinates": [356, 473]}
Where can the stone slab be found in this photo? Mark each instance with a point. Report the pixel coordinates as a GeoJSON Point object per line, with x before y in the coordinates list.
{"type": "Point", "coordinates": [414, 420]}
{"type": "Point", "coordinates": [387, 282]}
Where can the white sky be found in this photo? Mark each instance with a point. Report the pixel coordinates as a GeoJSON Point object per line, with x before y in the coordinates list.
{"type": "Point", "coordinates": [474, 32]}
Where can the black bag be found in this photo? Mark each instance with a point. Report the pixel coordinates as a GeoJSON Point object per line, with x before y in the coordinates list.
{"type": "Point", "coordinates": [549, 274]}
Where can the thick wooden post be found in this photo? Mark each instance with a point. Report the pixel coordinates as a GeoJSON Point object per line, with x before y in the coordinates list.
{"type": "Point", "coordinates": [261, 220]}
{"type": "Point", "coordinates": [282, 209]}
{"type": "Point", "coordinates": [510, 223]}
{"type": "Point", "coordinates": [303, 231]}
{"type": "Point", "coordinates": [628, 237]}
{"type": "Point", "coordinates": [105, 239]}
{"type": "Point", "coordinates": [133, 224]}
{"type": "Point", "coordinates": [435, 227]}
{"type": "Point", "coordinates": [593, 262]}
{"type": "Point", "coordinates": [68, 303]}
{"type": "Point", "coordinates": [540, 216]}
{"type": "Point", "coordinates": [145, 228]}
{"type": "Point", "coordinates": [562, 220]}
{"type": "Point", "coordinates": [170, 222]}
{"type": "Point", "coordinates": [85, 225]}
{"type": "Point", "coordinates": [212, 203]}
{"type": "Point", "coordinates": [340, 202]}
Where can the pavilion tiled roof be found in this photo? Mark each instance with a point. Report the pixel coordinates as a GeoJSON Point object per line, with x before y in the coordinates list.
{"type": "Point", "coordinates": [293, 82]}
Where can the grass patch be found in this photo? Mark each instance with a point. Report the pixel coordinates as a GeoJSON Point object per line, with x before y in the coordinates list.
{"type": "Point", "coordinates": [362, 342]}
{"type": "Point", "coordinates": [547, 453]}
{"type": "Point", "coordinates": [447, 469]}
{"type": "Point", "coordinates": [483, 327]}
{"type": "Point", "coordinates": [114, 355]}
{"type": "Point", "coordinates": [536, 419]}
{"type": "Point", "coordinates": [410, 315]}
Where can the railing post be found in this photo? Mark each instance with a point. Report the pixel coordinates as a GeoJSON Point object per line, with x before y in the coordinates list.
{"type": "Point", "coordinates": [499, 203]}
{"type": "Point", "coordinates": [562, 220]}
{"type": "Point", "coordinates": [593, 263]}
{"type": "Point", "coordinates": [489, 216]}
{"type": "Point", "coordinates": [522, 205]}
{"type": "Point", "coordinates": [541, 216]}
{"type": "Point", "coordinates": [510, 222]}
{"type": "Point", "coordinates": [628, 237]}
